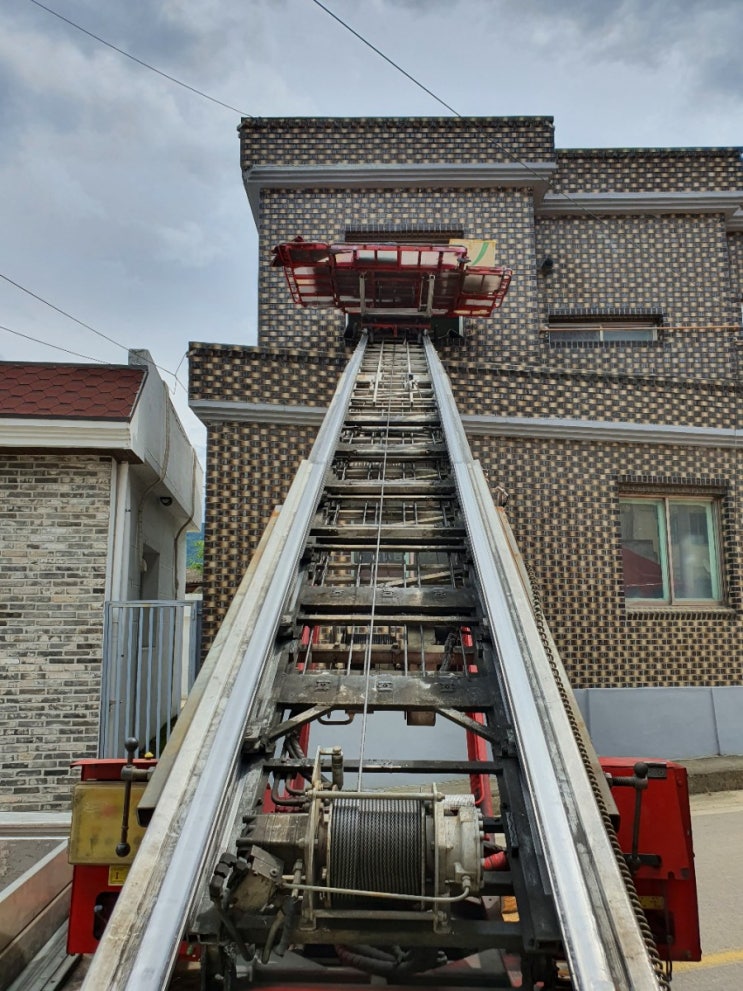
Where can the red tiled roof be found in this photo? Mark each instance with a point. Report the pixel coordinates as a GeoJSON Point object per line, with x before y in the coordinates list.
{"type": "Point", "coordinates": [81, 392]}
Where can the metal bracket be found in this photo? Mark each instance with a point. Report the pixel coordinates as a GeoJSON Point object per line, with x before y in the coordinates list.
{"type": "Point", "coordinates": [289, 725]}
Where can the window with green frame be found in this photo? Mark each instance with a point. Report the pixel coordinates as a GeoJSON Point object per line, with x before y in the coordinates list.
{"type": "Point", "coordinates": [671, 549]}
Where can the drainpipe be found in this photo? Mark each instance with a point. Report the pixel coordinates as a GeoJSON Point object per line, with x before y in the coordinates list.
{"type": "Point", "coordinates": [119, 549]}
{"type": "Point", "coordinates": [160, 478]}
{"type": "Point", "coordinates": [189, 519]}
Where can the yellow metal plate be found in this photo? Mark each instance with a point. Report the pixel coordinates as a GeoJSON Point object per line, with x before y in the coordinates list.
{"type": "Point", "coordinates": [97, 810]}
{"type": "Point", "coordinates": [509, 909]}
{"type": "Point", "coordinates": [117, 875]}
{"type": "Point", "coordinates": [652, 901]}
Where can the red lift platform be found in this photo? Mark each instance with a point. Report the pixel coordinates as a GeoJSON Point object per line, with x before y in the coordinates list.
{"type": "Point", "coordinates": [391, 284]}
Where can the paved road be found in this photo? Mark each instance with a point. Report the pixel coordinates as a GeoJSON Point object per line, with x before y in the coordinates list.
{"type": "Point", "coordinates": [717, 824]}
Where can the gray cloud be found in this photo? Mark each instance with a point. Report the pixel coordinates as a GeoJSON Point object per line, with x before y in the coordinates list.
{"type": "Point", "coordinates": [121, 194]}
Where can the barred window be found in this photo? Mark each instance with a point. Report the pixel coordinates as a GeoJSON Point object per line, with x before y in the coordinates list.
{"type": "Point", "coordinates": [596, 332]}
{"type": "Point", "coordinates": [671, 549]}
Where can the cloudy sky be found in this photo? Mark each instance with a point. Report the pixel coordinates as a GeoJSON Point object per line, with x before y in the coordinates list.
{"type": "Point", "coordinates": [120, 192]}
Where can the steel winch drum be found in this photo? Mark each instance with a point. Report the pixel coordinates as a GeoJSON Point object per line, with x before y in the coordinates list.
{"type": "Point", "coordinates": [399, 846]}
{"type": "Point", "coordinates": [375, 845]}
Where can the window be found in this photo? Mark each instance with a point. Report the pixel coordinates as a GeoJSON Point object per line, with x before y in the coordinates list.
{"type": "Point", "coordinates": [402, 235]}
{"type": "Point", "coordinates": [595, 332]}
{"type": "Point", "coordinates": [670, 549]}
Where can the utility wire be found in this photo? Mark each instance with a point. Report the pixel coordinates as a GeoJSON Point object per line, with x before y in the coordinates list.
{"type": "Point", "coordinates": [37, 340]}
{"type": "Point", "coordinates": [82, 323]}
{"type": "Point", "coordinates": [64, 313]}
{"type": "Point", "coordinates": [368, 44]}
{"type": "Point", "coordinates": [501, 147]}
{"type": "Point", "coordinates": [139, 61]}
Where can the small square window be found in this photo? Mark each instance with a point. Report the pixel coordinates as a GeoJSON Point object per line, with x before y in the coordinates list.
{"type": "Point", "coordinates": [671, 549]}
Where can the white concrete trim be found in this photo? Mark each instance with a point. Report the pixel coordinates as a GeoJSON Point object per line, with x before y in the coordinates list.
{"type": "Point", "coordinates": [429, 176]}
{"type": "Point", "coordinates": [215, 411]}
{"type": "Point", "coordinates": [110, 543]}
{"type": "Point", "coordinates": [160, 440]}
{"type": "Point", "coordinates": [28, 824]}
{"type": "Point", "coordinates": [54, 434]}
{"type": "Point", "coordinates": [600, 430]}
{"type": "Point", "coordinates": [566, 204]}
{"type": "Point", "coordinates": [490, 174]}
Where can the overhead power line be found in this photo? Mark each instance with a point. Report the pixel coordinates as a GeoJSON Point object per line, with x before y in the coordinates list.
{"type": "Point", "coordinates": [139, 61]}
{"type": "Point", "coordinates": [80, 323]}
{"type": "Point", "coordinates": [64, 313]}
{"type": "Point", "coordinates": [498, 144]}
{"type": "Point", "coordinates": [381, 54]}
{"type": "Point", "coordinates": [57, 347]}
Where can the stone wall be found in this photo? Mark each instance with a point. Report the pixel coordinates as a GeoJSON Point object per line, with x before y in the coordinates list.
{"type": "Point", "coordinates": [54, 518]}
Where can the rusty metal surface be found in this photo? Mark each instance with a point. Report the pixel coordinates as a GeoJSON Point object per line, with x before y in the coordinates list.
{"type": "Point", "coordinates": [97, 810]}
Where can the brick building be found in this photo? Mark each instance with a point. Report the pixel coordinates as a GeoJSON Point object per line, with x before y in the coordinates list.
{"type": "Point", "coordinates": [605, 395]}
{"type": "Point", "coordinates": [98, 484]}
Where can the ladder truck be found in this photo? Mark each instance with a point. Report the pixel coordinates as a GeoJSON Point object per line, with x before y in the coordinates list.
{"type": "Point", "coordinates": [304, 826]}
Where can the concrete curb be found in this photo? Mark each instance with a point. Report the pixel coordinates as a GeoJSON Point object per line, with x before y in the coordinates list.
{"type": "Point", "coordinates": [708, 774]}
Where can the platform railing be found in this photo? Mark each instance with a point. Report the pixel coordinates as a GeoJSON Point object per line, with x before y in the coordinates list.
{"type": "Point", "coordinates": [150, 652]}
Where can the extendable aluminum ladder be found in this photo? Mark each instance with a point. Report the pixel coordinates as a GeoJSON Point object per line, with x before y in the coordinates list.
{"type": "Point", "coordinates": [388, 591]}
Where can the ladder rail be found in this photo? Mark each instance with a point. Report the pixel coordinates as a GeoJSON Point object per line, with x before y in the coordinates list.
{"type": "Point", "coordinates": [602, 937]}
{"type": "Point", "coordinates": [140, 944]}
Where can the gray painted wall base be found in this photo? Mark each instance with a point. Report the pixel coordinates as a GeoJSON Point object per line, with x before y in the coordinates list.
{"type": "Point", "coordinates": [673, 723]}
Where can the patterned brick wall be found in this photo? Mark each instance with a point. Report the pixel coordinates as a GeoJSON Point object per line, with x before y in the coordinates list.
{"type": "Point", "coordinates": [249, 470]}
{"type": "Point", "coordinates": [54, 513]}
{"type": "Point", "coordinates": [234, 373]}
{"type": "Point", "coordinates": [505, 216]}
{"type": "Point", "coordinates": [483, 389]}
{"type": "Point", "coordinates": [379, 140]}
{"type": "Point", "coordinates": [677, 263]}
{"type": "Point", "coordinates": [735, 247]}
{"type": "Point", "coordinates": [250, 466]}
{"type": "Point", "coordinates": [647, 170]}
{"type": "Point", "coordinates": [655, 390]}
{"type": "Point", "coordinates": [564, 510]}
{"type": "Point", "coordinates": [680, 354]}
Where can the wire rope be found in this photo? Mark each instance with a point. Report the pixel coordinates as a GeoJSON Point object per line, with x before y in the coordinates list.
{"type": "Point", "coordinates": [375, 566]}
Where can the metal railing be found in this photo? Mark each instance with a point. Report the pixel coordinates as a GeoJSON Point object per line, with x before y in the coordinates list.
{"type": "Point", "coordinates": [150, 651]}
